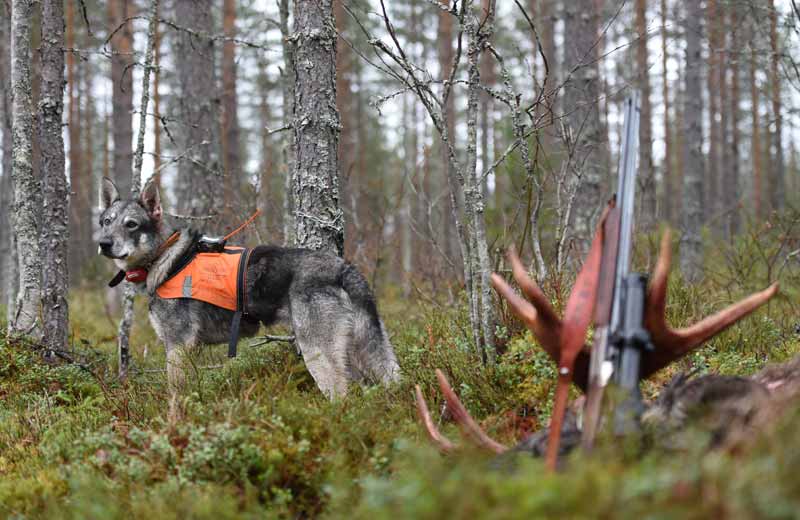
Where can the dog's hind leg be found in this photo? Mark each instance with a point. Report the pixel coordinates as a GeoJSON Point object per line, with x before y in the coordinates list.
{"type": "Point", "coordinates": [372, 356]}
{"type": "Point", "coordinates": [323, 333]}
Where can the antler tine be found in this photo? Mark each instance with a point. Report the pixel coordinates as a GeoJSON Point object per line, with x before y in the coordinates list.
{"type": "Point", "coordinates": [531, 289]}
{"type": "Point", "coordinates": [547, 334]}
{"type": "Point", "coordinates": [443, 443]}
{"type": "Point", "coordinates": [464, 419]}
{"type": "Point", "coordinates": [657, 292]}
{"type": "Point", "coordinates": [672, 344]}
{"type": "Point", "coordinates": [538, 315]}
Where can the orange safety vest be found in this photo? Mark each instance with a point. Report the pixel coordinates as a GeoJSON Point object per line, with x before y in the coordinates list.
{"type": "Point", "coordinates": [215, 278]}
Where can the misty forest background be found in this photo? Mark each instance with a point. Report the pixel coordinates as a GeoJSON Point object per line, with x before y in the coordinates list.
{"type": "Point", "coordinates": [420, 140]}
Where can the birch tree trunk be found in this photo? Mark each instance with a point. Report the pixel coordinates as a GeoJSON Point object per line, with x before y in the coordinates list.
{"type": "Point", "coordinates": [474, 202]}
{"type": "Point", "coordinates": [27, 189]}
{"type": "Point", "coordinates": [55, 221]}
{"type": "Point", "coordinates": [124, 331]}
{"type": "Point", "coordinates": [693, 186]}
{"type": "Point", "coordinates": [287, 92]}
{"type": "Point", "coordinates": [319, 222]}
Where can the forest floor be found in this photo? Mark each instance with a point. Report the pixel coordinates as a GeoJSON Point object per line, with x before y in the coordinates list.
{"type": "Point", "coordinates": [259, 440]}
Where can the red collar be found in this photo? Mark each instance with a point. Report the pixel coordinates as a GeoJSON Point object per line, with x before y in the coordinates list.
{"type": "Point", "coordinates": [138, 275]}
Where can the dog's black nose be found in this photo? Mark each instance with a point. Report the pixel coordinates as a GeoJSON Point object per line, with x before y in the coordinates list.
{"type": "Point", "coordinates": [105, 245]}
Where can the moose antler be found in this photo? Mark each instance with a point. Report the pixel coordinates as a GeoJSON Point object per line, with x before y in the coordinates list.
{"type": "Point", "coordinates": [468, 425]}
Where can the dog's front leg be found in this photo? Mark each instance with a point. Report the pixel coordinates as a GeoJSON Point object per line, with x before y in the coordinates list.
{"type": "Point", "coordinates": [176, 381]}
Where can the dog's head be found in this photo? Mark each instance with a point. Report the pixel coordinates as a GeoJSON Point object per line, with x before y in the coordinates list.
{"type": "Point", "coordinates": [129, 229]}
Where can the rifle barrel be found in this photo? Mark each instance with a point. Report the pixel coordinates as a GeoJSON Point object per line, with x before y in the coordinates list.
{"type": "Point", "coordinates": [626, 198]}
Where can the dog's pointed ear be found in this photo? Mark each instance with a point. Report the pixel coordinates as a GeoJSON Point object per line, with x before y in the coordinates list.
{"type": "Point", "coordinates": [108, 193]}
{"type": "Point", "coordinates": [150, 199]}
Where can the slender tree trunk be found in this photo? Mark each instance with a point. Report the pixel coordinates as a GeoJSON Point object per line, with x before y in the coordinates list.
{"type": "Point", "coordinates": [488, 78]}
{"type": "Point", "coordinates": [647, 179]}
{"type": "Point", "coordinates": [409, 162]}
{"type": "Point", "coordinates": [27, 189]}
{"type": "Point", "coordinates": [581, 93]}
{"type": "Point", "coordinates": [755, 143]}
{"type": "Point", "coordinates": [55, 221]}
{"type": "Point", "coordinates": [318, 217]}
{"type": "Point", "coordinates": [680, 141]}
{"type": "Point", "coordinates": [122, 91]}
{"type": "Point", "coordinates": [267, 192]}
{"type": "Point", "coordinates": [474, 203]}
{"type": "Point", "coordinates": [287, 91]}
{"type": "Point", "coordinates": [78, 213]}
{"type": "Point", "coordinates": [721, 189]}
{"type": "Point", "coordinates": [199, 179]}
{"type": "Point", "coordinates": [711, 195]}
{"type": "Point", "coordinates": [693, 186]}
{"type": "Point", "coordinates": [231, 146]}
{"type": "Point", "coordinates": [157, 151]}
{"type": "Point", "coordinates": [126, 322]}
{"type": "Point", "coordinates": [452, 206]}
{"type": "Point", "coordinates": [669, 193]}
{"type": "Point", "coordinates": [777, 173]}
{"type": "Point", "coordinates": [85, 195]}
{"type": "Point", "coordinates": [548, 17]}
{"type": "Point", "coordinates": [731, 184]}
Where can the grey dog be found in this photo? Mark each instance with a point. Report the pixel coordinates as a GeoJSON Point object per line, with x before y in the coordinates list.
{"type": "Point", "coordinates": [324, 299]}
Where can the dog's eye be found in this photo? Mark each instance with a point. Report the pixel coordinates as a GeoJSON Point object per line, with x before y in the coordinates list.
{"type": "Point", "coordinates": [106, 221]}
{"type": "Point", "coordinates": [131, 224]}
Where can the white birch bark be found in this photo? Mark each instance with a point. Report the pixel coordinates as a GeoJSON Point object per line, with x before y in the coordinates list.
{"type": "Point", "coordinates": [27, 190]}
{"type": "Point", "coordinates": [474, 203]}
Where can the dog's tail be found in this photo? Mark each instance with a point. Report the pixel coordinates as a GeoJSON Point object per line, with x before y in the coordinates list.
{"type": "Point", "coordinates": [374, 356]}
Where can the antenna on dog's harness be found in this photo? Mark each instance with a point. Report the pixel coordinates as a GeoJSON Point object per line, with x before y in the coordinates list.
{"type": "Point", "coordinates": [244, 225]}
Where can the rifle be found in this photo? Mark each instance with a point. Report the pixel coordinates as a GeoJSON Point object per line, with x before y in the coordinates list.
{"type": "Point", "coordinates": [620, 334]}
